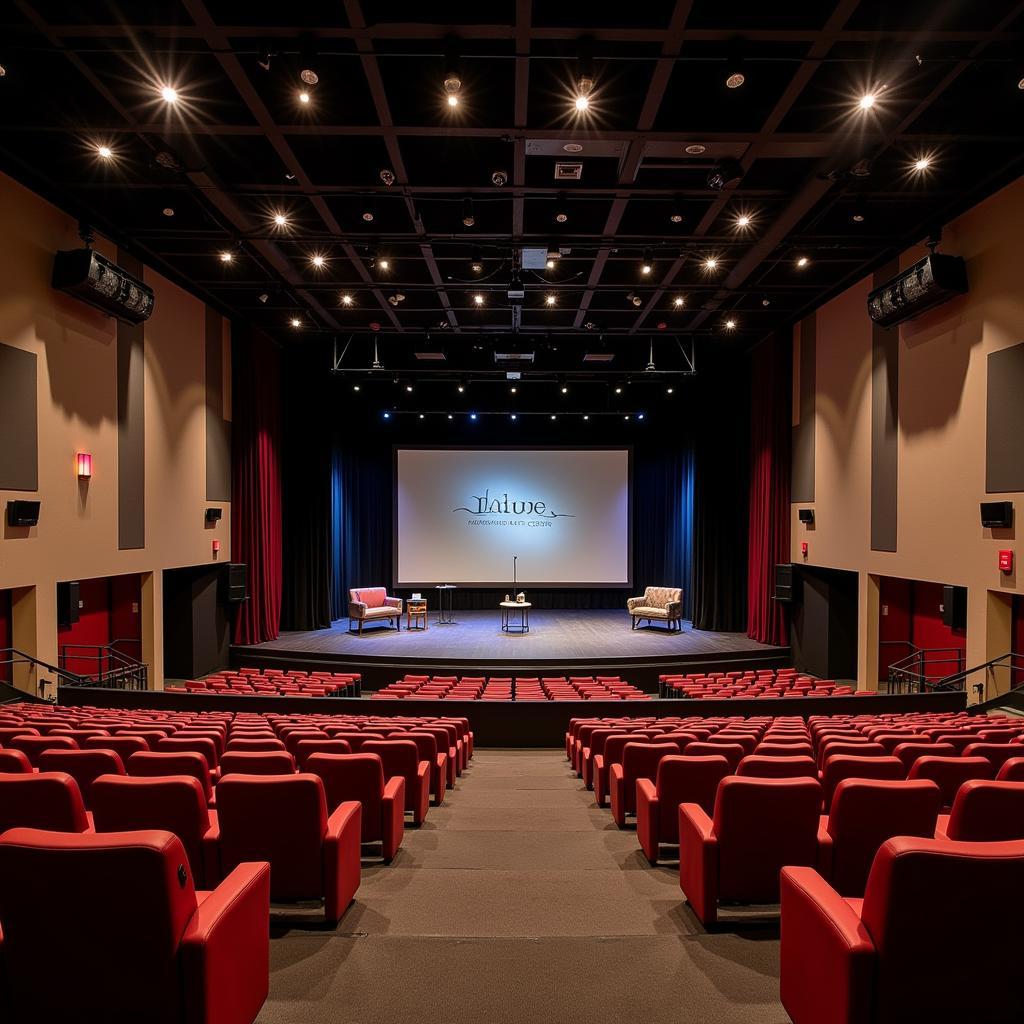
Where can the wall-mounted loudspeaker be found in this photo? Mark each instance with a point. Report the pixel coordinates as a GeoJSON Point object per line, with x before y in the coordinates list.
{"type": "Point", "coordinates": [213, 515]}
{"type": "Point", "coordinates": [238, 582]}
{"type": "Point", "coordinates": [806, 515]}
{"type": "Point", "coordinates": [22, 513]}
{"type": "Point", "coordinates": [67, 604]}
{"type": "Point", "coordinates": [784, 582]}
{"type": "Point", "coordinates": [954, 607]}
{"type": "Point", "coordinates": [997, 514]}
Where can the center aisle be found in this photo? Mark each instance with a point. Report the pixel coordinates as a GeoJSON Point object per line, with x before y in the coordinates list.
{"type": "Point", "coordinates": [520, 901]}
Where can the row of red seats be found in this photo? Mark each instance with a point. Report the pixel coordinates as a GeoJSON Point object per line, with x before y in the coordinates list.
{"type": "Point", "coordinates": [782, 682]}
{"type": "Point", "coordinates": [505, 688]}
{"type": "Point", "coordinates": [271, 682]}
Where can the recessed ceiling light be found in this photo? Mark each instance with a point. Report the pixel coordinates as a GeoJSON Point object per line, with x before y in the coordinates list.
{"type": "Point", "coordinates": [572, 147]}
{"type": "Point", "coordinates": [478, 299]}
{"type": "Point", "coordinates": [922, 163]}
{"type": "Point", "coordinates": [561, 217]}
{"type": "Point", "coordinates": [421, 416]}
{"type": "Point", "coordinates": [309, 76]}
{"type": "Point", "coordinates": [168, 94]}
{"type": "Point", "coordinates": [387, 415]}
{"type": "Point", "coordinates": [449, 416]}
{"type": "Point", "coordinates": [735, 80]}
{"type": "Point", "coordinates": [303, 97]}
{"type": "Point", "coordinates": [647, 265]}
{"type": "Point", "coordinates": [802, 261]}
{"type": "Point", "coordinates": [554, 417]}
{"type": "Point", "coordinates": [408, 387]}
{"type": "Point", "coordinates": [668, 391]}
{"type": "Point", "coordinates": [295, 322]}
{"type": "Point", "coordinates": [858, 218]}
{"type": "Point", "coordinates": [355, 387]}
{"type": "Point", "coordinates": [678, 301]}
{"type": "Point", "coordinates": [461, 389]}
{"type": "Point", "coordinates": [550, 264]}
{"type": "Point", "coordinates": [730, 325]}
{"type": "Point", "coordinates": [367, 216]}
{"type": "Point", "coordinates": [586, 417]}
{"type": "Point", "coordinates": [280, 220]}
{"type": "Point", "coordinates": [346, 299]}
{"type": "Point", "coordinates": [676, 218]}
{"type": "Point", "coordinates": [452, 87]}
{"type": "Point", "coordinates": [1020, 84]}
{"type": "Point", "coordinates": [565, 391]}
{"type": "Point", "coordinates": [696, 148]}
{"type": "Point", "coordinates": [3, 71]}
{"type": "Point", "coordinates": [618, 391]}
{"type": "Point", "coordinates": [168, 211]}
{"type": "Point", "coordinates": [226, 256]}
{"type": "Point", "coordinates": [384, 264]}
{"type": "Point", "coordinates": [513, 389]}
{"type": "Point", "coordinates": [711, 262]}
{"type": "Point", "coordinates": [549, 300]}
{"type": "Point", "coordinates": [104, 152]}
{"type": "Point", "coordinates": [477, 267]}
{"type": "Point", "coordinates": [263, 298]}
{"type": "Point", "coordinates": [743, 221]}
{"type": "Point", "coordinates": [867, 101]}
{"type": "Point", "coordinates": [582, 103]}
{"type": "Point", "coordinates": [514, 416]}
{"type": "Point", "coordinates": [472, 415]}
{"type": "Point", "coordinates": [317, 260]}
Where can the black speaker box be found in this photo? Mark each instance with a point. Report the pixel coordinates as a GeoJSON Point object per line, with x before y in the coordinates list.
{"type": "Point", "coordinates": [22, 513]}
{"type": "Point", "coordinates": [784, 582]}
{"type": "Point", "coordinates": [954, 607]}
{"type": "Point", "coordinates": [238, 581]}
{"type": "Point", "coordinates": [213, 515]}
{"type": "Point", "coordinates": [997, 514]}
{"type": "Point", "coordinates": [806, 515]}
{"type": "Point", "coordinates": [67, 603]}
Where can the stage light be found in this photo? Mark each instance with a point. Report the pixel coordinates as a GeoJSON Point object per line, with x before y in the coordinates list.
{"type": "Point", "coordinates": [452, 76]}
{"type": "Point", "coordinates": [168, 211]}
{"type": "Point", "coordinates": [711, 263]}
{"type": "Point", "coordinates": [802, 262]}
{"type": "Point", "coordinates": [355, 387]}
{"type": "Point", "coordinates": [387, 415]}
{"type": "Point", "coordinates": [730, 325]}
{"type": "Point", "coordinates": [368, 216]}
{"type": "Point", "coordinates": [640, 416]}
{"type": "Point", "coordinates": [678, 301]}
{"type": "Point", "coordinates": [626, 417]}
{"type": "Point", "coordinates": [647, 266]}
{"type": "Point", "coordinates": [226, 257]}
{"type": "Point", "coordinates": [408, 387]}
{"type": "Point", "coordinates": [743, 221]}
{"type": "Point", "coordinates": [453, 98]}
{"type": "Point", "coordinates": [513, 389]}
{"type": "Point", "coordinates": [317, 260]}
{"type": "Point", "coordinates": [554, 417]}
{"type": "Point", "coordinates": [668, 391]}
{"type": "Point", "coordinates": [383, 264]}
{"type": "Point", "coordinates": [867, 101]}
{"type": "Point", "coordinates": [468, 219]}
{"type": "Point", "coordinates": [735, 80]}
{"type": "Point", "coordinates": [461, 389]}
{"type": "Point", "coordinates": [472, 415]}
{"type": "Point", "coordinates": [514, 416]}
{"type": "Point", "coordinates": [586, 417]}
{"type": "Point", "coordinates": [168, 94]}
{"type": "Point", "coordinates": [280, 220]}
{"type": "Point", "coordinates": [478, 299]}
{"type": "Point", "coordinates": [476, 262]}
{"type": "Point", "coordinates": [922, 163]}
{"type": "Point", "coordinates": [422, 416]}
{"type": "Point", "coordinates": [565, 391]}
{"type": "Point", "coordinates": [295, 322]}
{"type": "Point", "coordinates": [104, 152]}
{"type": "Point", "coordinates": [303, 97]}
{"type": "Point", "coordinates": [550, 264]}
{"type": "Point", "coordinates": [618, 391]}
{"type": "Point", "coordinates": [450, 416]}
{"type": "Point", "coordinates": [549, 300]}
{"type": "Point", "coordinates": [561, 217]}
{"type": "Point", "coordinates": [346, 299]}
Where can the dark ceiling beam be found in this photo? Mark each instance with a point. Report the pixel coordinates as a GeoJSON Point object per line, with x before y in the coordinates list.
{"type": "Point", "coordinates": [524, 10]}
{"type": "Point", "coordinates": [371, 69]}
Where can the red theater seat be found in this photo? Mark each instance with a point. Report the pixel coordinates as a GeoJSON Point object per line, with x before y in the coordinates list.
{"type": "Point", "coordinates": [758, 826]}
{"type": "Point", "coordinates": [123, 746]}
{"type": "Point", "coordinates": [284, 820]}
{"type": "Point", "coordinates": [846, 766]}
{"type": "Point", "coordinates": [732, 752]}
{"type": "Point", "coordinates": [84, 766]}
{"type": "Point", "coordinates": [1012, 770]}
{"type": "Point", "coordinates": [170, 803]}
{"type": "Point", "coordinates": [927, 903]}
{"type": "Point", "coordinates": [985, 812]}
{"type": "Point", "coordinates": [186, 762]}
{"type": "Point", "coordinates": [864, 814]}
{"type": "Point", "coordinates": [14, 762]}
{"type": "Point", "coordinates": [47, 800]}
{"type": "Point", "coordinates": [950, 773]}
{"type": "Point", "coordinates": [690, 780]}
{"type": "Point", "coordinates": [401, 757]}
{"type": "Point", "coordinates": [997, 753]}
{"type": "Point", "coordinates": [257, 762]}
{"type": "Point", "coordinates": [426, 746]}
{"type": "Point", "coordinates": [146, 945]}
{"type": "Point", "coordinates": [360, 777]}
{"type": "Point", "coordinates": [762, 767]}
{"type": "Point", "coordinates": [34, 746]}
{"type": "Point", "coordinates": [639, 761]}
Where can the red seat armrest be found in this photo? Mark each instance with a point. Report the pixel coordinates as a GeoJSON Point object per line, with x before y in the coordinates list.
{"type": "Point", "coordinates": [827, 956]}
{"type": "Point", "coordinates": [341, 857]}
{"type": "Point", "coordinates": [698, 861]}
{"type": "Point", "coordinates": [648, 818]}
{"type": "Point", "coordinates": [393, 813]}
{"type": "Point", "coordinates": [617, 794]}
{"type": "Point", "coordinates": [225, 951]}
{"type": "Point", "coordinates": [825, 845]}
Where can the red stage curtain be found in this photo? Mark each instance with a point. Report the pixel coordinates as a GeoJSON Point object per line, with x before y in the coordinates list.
{"type": "Point", "coordinates": [256, 483]}
{"type": "Point", "coordinates": [770, 439]}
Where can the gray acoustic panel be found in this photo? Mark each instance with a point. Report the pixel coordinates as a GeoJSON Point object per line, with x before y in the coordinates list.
{"type": "Point", "coordinates": [802, 478]}
{"type": "Point", "coordinates": [19, 431]}
{"type": "Point", "coordinates": [218, 429]}
{"type": "Point", "coordinates": [1004, 425]}
{"type": "Point", "coordinates": [131, 425]}
{"type": "Point", "coordinates": [885, 391]}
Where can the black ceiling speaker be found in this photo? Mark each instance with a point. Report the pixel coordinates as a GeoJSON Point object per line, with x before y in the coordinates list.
{"type": "Point", "coordinates": [928, 283]}
{"type": "Point", "coordinates": [214, 514]}
{"type": "Point", "coordinates": [102, 284]}
{"type": "Point", "coordinates": [997, 514]}
{"type": "Point", "coordinates": [22, 513]}
{"type": "Point", "coordinates": [806, 515]}
{"type": "Point", "coordinates": [726, 172]}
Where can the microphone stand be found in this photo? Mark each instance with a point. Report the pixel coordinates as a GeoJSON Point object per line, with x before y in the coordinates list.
{"type": "Point", "coordinates": [514, 584]}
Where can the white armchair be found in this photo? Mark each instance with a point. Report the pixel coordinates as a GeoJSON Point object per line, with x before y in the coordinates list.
{"type": "Point", "coordinates": [663, 604]}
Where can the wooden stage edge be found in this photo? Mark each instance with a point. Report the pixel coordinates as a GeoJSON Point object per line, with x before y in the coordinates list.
{"type": "Point", "coordinates": [508, 724]}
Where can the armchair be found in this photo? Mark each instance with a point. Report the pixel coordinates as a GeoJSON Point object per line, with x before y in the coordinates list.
{"type": "Point", "coordinates": [662, 603]}
{"type": "Point", "coordinates": [372, 604]}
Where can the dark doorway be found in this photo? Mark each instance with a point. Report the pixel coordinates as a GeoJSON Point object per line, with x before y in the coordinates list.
{"type": "Point", "coordinates": [824, 622]}
{"type": "Point", "coordinates": [196, 623]}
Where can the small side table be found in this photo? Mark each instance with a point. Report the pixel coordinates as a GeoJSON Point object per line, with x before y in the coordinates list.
{"type": "Point", "coordinates": [415, 615]}
{"type": "Point", "coordinates": [508, 611]}
{"type": "Point", "coordinates": [445, 616]}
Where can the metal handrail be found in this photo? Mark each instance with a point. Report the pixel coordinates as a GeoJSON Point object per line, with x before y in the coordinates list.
{"type": "Point", "coordinates": [114, 669]}
{"type": "Point", "coordinates": [911, 674]}
{"type": "Point", "coordinates": [1011, 661]}
{"type": "Point", "coordinates": [11, 656]}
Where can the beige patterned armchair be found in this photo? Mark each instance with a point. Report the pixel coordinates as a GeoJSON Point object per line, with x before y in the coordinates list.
{"type": "Point", "coordinates": [372, 604]}
{"type": "Point", "coordinates": [662, 603]}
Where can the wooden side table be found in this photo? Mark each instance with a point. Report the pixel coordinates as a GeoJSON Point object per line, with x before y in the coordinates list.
{"type": "Point", "coordinates": [415, 615]}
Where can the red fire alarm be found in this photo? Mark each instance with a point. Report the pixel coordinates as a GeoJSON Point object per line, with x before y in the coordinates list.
{"type": "Point", "coordinates": [1006, 561]}
{"type": "Point", "coordinates": [803, 548]}
{"type": "Point", "coordinates": [216, 547]}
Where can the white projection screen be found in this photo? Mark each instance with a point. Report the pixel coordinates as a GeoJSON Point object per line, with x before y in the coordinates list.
{"type": "Point", "coordinates": [462, 513]}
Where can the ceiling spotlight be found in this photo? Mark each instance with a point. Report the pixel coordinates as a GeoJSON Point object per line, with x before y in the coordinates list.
{"type": "Point", "coordinates": [396, 298]}
{"type": "Point", "coordinates": [317, 260]}
{"type": "Point", "coordinates": [727, 172]}
{"type": "Point", "coordinates": [408, 387]}
{"type": "Point", "coordinates": [3, 71]}
{"type": "Point", "coordinates": [468, 219]}
{"type": "Point", "coordinates": [280, 220]}
{"type": "Point", "coordinates": [263, 298]}
{"type": "Point", "coordinates": [472, 415]}
{"type": "Point", "coordinates": [553, 416]}
{"type": "Point", "coordinates": [561, 217]}
{"type": "Point", "coordinates": [168, 211]}
{"type": "Point", "coordinates": [478, 299]}
{"type": "Point", "coordinates": [104, 152]}
{"type": "Point", "coordinates": [452, 74]}
{"type": "Point", "coordinates": [549, 300]}
{"type": "Point", "coordinates": [867, 101]}
{"type": "Point", "coordinates": [634, 298]}
{"type": "Point", "coordinates": [295, 322]}
{"type": "Point", "coordinates": [668, 391]}
{"type": "Point", "coordinates": [743, 221]}
{"type": "Point", "coordinates": [461, 389]}
{"type": "Point", "coordinates": [565, 390]}
{"type": "Point", "coordinates": [355, 387]}
{"type": "Point", "coordinates": [550, 264]}
{"type": "Point", "coordinates": [368, 216]}
{"type": "Point", "coordinates": [513, 389]}
{"type": "Point", "coordinates": [477, 263]}
{"type": "Point", "coordinates": [387, 176]}
{"type": "Point", "coordinates": [586, 417]}
{"type": "Point", "coordinates": [857, 218]}
{"type": "Point", "coordinates": [421, 416]}
{"type": "Point", "coordinates": [582, 102]}
{"type": "Point", "coordinates": [453, 97]}
{"type": "Point", "coordinates": [387, 415]}
{"type": "Point", "coordinates": [730, 325]}
{"type": "Point", "coordinates": [696, 149]}
{"type": "Point", "coordinates": [169, 94]}
{"type": "Point", "coordinates": [678, 301]}
{"type": "Point", "coordinates": [922, 163]}
{"type": "Point", "coordinates": [802, 262]}
{"type": "Point", "coordinates": [449, 416]}
{"type": "Point", "coordinates": [765, 301]}
{"type": "Point", "coordinates": [383, 263]}
{"type": "Point", "coordinates": [618, 391]}
{"type": "Point", "coordinates": [303, 97]}
{"type": "Point", "coordinates": [711, 263]}
{"type": "Point", "coordinates": [499, 179]}
{"type": "Point", "coordinates": [676, 217]}
{"type": "Point", "coordinates": [735, 80]}
{"type": "Point", "coordinates": [346, 299]}
{"type": "Point", "coordinates": [647, 265]}
{"type": "Point", "coordinates": [226, 256]}
{"type": "Point", "coordinates": [309, 76]}
{"type": "Point", "coordinates": [514, 416]}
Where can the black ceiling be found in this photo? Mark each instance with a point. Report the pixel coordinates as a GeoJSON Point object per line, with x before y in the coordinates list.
{"type": "Point", "coordinates": [81, 73]}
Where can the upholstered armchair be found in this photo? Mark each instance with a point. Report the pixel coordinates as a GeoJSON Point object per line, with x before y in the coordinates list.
{"type": "Point", "coordinates": [372, 604]}
{"type": "Point", "coordinates": [664, 604]}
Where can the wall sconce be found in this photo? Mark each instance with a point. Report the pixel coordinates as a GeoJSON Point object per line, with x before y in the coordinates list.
{"type": "Point", "coordinates": [83, 463]}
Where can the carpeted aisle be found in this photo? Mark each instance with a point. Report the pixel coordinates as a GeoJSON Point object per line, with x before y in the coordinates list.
{"type": "Point", "coordinates": [519, 901]}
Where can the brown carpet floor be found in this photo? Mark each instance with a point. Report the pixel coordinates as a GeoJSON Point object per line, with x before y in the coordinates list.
{"type": "Point", "coordinates": [519, 902]}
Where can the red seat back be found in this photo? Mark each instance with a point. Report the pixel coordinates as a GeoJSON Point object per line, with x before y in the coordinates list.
{"type": "Point", "coordinates": [997, 753]}
{"type": "Point", "coordinates": [281, 819]}
{"type": "Point", "coordinates": [84, 766]}
{"type": "Point", "coordinates": [930, 902]}
{"type": "Point", "coordinates": [49, 800]}
{"type": "Point", "coordinates": [14, 762]}
{"type": "Point", "coordinates": [186, 762]}
{"type": "Point", "coordinates": [34, 746]}
{"type": "Point", "coordinates": [353, 777]}
{"type": "Point", "coordinates": [762, 825]}
{"type": "Point", "coordinates": [305, 748]}
{"type": "Point", "coordinates": [767, 767]}
{"type": "Point", "coordinates": [732, 752]}
{"type": "Point", "coordinates": [640, 761]}
{"type": "Point", "coordinates": [867, 812]}
{"type": "Point", "coordinates": [908, 753]}
{"type": "Point", "coordinates": [949, 773]}
{"type": "Point", "coordinates": [1012, 770]}
{"type": "Point", "coordinates": [189, 745]}
{"type": "Point", "coordinates": [254, 743]}
{"type": "Point", "coordinates": [399, 757]}
{"type": "Point", "coordinates": [987, 812]}
{"type": "Point", "coordinates": [124, 746]}
{"type": "Point", "coordinates": [130, 892]}
{"type": "Point", "coordinates": [257, 762]}
{"type": "Point", "coordinates": [847, 766]}
{"type": "Point", "coordinates": [687, 780]}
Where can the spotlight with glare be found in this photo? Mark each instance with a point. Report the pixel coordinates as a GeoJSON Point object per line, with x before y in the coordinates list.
{"type": "Point", "coordinates": [867, 101]}
{"type": "Point", "coordinates": [549, 300]}
{"type": "Point", "coordinates": [226, 256]}
{"type": "Point", "coordinates": [408, 387]}
{"type": "Point", "coordinates": [730, 325]}
{"type": "Point", "coordinates": [169, 94]}
{"type": "Point", "coordinates": [384, 263]}
{"type": "Point", "coordinates": [304, 97]}
{"type": "Point", "coordinates": [647, 265]}
{"type": "Point", "coordinates": [478, 299]}
{"type": "Point", "coordinates": [711, 263]}
{"type": "Point", "coordinates": [461, 389]}
{"type": "Point", "coordinates": [355, 387]}
{"type": "Point", "coordinates": [280, 220]}
{"type": "Point", "coordinates": [922, 163]}
{"type": "Point", "coordinates": [678, 301]}
{"type": "Point", "coordinates": [550, 264]}
{"type": "Point", "coordinates": [743, 221]}
{"type": "Point", "coordinates": [618, 391]}
{"type": "Point", "coordinates": [514, 416]}
{"type": "Point", "coordinates": [452, 76]}
{"type": "Point", "coordinates": [346, 299]}
{"type": "Point", "coordinates": [295, 322]}
{"type": "Point", "coordinates": [317, 260]}
{"type": "Point", "coordinates": [477, 263]}
{"type": "Point", "coordinates": [802, 262]}
{"type": "Point", "coordinates": [105, 152]}
{"type": "Point", "coordinates": [565, 391]}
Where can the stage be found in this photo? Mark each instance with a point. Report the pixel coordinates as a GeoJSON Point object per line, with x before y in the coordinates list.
{"type": "Point", "coordinates": [582, 641]}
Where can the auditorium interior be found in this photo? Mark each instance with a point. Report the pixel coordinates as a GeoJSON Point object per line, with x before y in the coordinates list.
{"type": "Point", "coordinates": [541, 479]}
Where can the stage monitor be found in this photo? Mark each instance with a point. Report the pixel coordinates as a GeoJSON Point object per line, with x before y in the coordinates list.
{"type": "Point", "coordinates": [461, 514]}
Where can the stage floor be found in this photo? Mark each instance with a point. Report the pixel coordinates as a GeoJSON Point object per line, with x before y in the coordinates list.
{"type": "Point", "coordinates": [575, 635]}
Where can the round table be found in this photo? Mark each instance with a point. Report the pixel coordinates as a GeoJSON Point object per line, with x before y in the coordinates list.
{"type": "Point", "coordinates": [508, 609]}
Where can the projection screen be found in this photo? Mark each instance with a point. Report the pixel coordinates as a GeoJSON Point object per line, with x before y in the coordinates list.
{"type": "Point", "coordinates": [462, 513]}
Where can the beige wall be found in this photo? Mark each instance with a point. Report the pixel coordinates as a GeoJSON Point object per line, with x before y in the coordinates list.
{"type": "Point", "coordinates": [77, 536]}
{"type": "Point", "coordinates": [941, 444]}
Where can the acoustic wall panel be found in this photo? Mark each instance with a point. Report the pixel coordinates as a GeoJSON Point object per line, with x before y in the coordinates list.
{"type": "Point", "coordinates": [1004, 427]}
{"type": "Point", "coordinates": [218, 429]}
{"type": "Point", "coordinates": [131, 425]}
{"type": "Point", "coordinates": [19, 437]}
{"type": "Point", "coordinates": [802, 480]}
{"type": "Point", "coordinates": [885, 380]}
